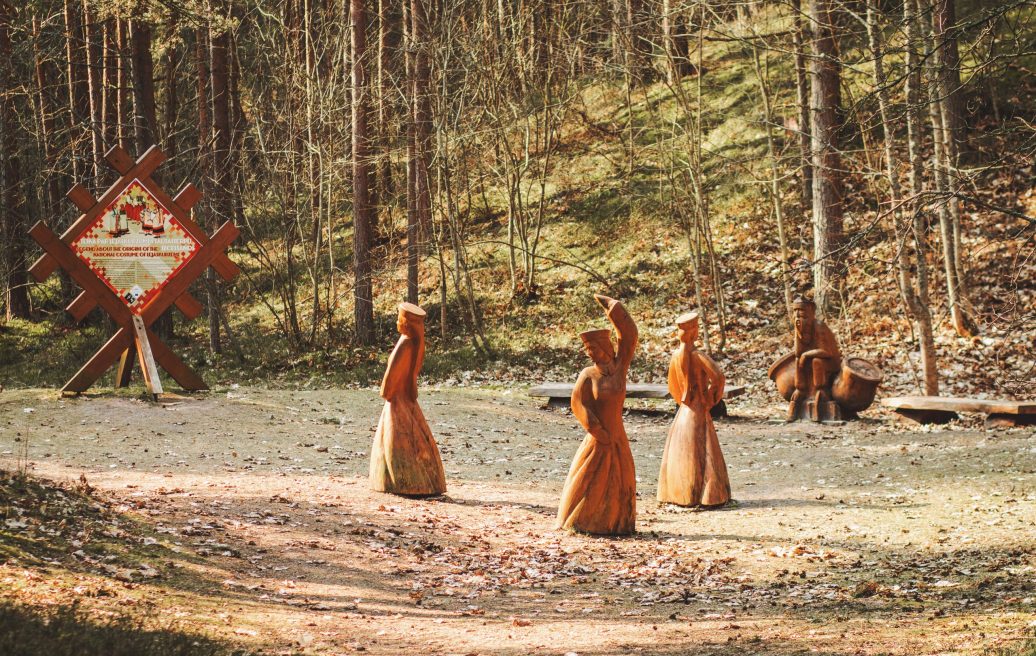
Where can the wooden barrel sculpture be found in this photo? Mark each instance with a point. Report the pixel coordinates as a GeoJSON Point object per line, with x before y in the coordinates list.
{"type": "Point", "coordinates": [856, 384]}
{"type": "Point", "coordinates": [782, 372]}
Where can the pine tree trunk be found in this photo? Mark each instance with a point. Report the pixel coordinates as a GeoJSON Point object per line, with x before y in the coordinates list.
{"type": "Point", "coordinates": [827, 165]}
{"type": "Point", "coordinates": [124, 92]}
{"type": "Point", "coordinates": [412, 193]}
{"type": "Point", "coordinates": [78, 93]}
{"type": "Point", "coordinates": [94, 34]}
{"type": "Point", "coordinates": [172, 100]}
{"type": "Point", "coordinates": [145, 123]}
{"type": "Point", "coordinates": [206, 163]}
{"type": "Point", "coordinates": [12, 208]}
{"type": "Point", "coordinates": [46, 72]}
{"type": "Point", "coordinates": [110, 86]}
{"type": "Point", "coordinates": [387, 44]}
{"type": "Point", "coordinates": [363, 295]}
{"type": "Point", "coordinates": [222, 205]}
{"type": "Point", "coordinates": [422, 114]}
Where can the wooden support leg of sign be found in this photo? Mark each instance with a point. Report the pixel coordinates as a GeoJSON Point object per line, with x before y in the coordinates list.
{"type": "Point", "coordinates": [148, 368]}
{"type": "Point", "coordinates": [122, 374]}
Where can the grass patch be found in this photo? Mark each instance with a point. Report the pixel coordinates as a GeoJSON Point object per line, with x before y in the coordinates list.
{"type": "Point", "coordinates": [70, 630]}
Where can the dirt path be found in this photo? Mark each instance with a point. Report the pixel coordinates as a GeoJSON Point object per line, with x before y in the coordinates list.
{"type": "Point", "coordinates": [872, 538]}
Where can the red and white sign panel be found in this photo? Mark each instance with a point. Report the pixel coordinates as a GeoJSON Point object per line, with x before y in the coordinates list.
{"type": "Point", "coordinates": [135, 246]}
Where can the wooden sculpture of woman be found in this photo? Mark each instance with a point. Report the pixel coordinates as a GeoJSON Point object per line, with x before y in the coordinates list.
{"type": "Point", "coordinates": [693, 471]}
{"type": "Point", "coordinates": [601, 489]}
{"type": "Point", "coordinates": [405, 458]}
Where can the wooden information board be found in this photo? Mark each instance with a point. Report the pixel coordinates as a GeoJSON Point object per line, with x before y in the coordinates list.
{"type": "Point", "coordinates": [134, 251]}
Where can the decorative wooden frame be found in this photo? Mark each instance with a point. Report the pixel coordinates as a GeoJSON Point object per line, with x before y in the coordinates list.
{"type": "Point", "coordinates": [134, 325]}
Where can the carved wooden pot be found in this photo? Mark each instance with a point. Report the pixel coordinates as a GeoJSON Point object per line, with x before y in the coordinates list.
{"type": "Point", "coordinates": [856, 384]}
{"type": "Point", "coordinates": [782, 372]}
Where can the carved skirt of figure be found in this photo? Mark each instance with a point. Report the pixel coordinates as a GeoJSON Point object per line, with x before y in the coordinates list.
{"type": "Point", "coordinates": [600, 495]}
{"type": "Point", "coordinates": [693, 470]}
{"type": "Point", "coordinates": [405, 458]}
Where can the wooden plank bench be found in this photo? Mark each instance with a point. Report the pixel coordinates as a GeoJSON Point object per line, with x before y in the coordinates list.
{"type": "Point", "coordinates": [559, 394]}
{"type": "Point", "coordinates": [943, 409]}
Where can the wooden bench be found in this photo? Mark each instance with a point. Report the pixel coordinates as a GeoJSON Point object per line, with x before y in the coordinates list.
{"type": "Point", "coordinates": [559, 394]}
{"type": "Point", "coordinates": [943, 409]}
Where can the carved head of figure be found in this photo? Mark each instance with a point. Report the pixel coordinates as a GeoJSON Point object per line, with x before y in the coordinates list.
{"type": "Point", "coordinates": [805, 319]}
{"type": "Point", "coordinates": [688, 327]}
{"type": "Point", "coordinates": [598, 345]}
{"type": "Point", "coordinates": [410, 321]}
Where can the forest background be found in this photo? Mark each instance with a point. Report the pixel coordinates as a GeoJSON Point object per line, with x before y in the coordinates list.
{"type": "Point", "coordinates": [497, 162]}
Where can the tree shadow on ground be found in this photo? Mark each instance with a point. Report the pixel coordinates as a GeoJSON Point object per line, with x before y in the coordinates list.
{"type": "Point", "coordinates": [69, 630]}
{"type": "Point", "coordinates": [402, 562]}
{"type": "Point", "coordinates": [496, 503]}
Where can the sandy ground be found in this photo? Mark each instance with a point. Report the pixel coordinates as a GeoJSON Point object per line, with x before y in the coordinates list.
{"type": "Point", "coordinates": [879, 537]}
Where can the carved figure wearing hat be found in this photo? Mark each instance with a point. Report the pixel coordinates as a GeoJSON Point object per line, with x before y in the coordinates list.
{"type": "Point", "coordinates": [601, 489]}
{"type": "Point", "coordinates": [818, 360]}
{"type": "Point", "coordinates": [693, 471]}
{"type": "Point", "coordinates": [404, 457]}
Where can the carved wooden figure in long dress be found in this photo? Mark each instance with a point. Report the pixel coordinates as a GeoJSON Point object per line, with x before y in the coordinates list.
{"type": "Point", "coordinates": [600, 493]}
{"type": "Point", "coordinates": [405, 458]}
{"type": "Point", "coordinates": [693, 470]}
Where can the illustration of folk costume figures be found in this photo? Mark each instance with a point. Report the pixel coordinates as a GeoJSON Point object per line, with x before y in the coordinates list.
{"type": "Point", "coordinates": [405, 458]}
{"type": "Point", "coordinates": [600, 492]}
{"type": "Point", "coordinates": [693, 470]}
{"type": "Point", "coordinates": [818, 361]}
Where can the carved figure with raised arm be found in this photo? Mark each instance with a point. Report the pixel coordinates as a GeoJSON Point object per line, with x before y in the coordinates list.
{"type": "Point", "coordinates": [601, 489]}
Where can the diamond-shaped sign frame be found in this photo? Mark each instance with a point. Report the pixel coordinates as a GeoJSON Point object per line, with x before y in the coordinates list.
{"type": "Point", "coordinates": [134, 322]}
{"type": "Point", "coordinates": [135, 245]}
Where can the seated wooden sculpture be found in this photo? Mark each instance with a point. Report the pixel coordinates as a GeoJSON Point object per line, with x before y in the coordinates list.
{"type": "Point", "coordinates": [405, 458]}
{"type": "Point", "coordinates": [815, 380]}
{"type": "Point", "coordinates": [601, 489]}
{"type": "Point", "coordinates": [693, 470]}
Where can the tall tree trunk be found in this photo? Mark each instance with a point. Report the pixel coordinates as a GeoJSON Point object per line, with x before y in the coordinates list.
{"type": "Point", "coordinates": [145, 123]}
{"type": "Point", "coordinates": [947, 207]}
{"type": "Point", "coordinates": [94, 33]}
{"type": "Point", "coordinates": [123, 94]}
{"type": "Point", "coordinates": [422, 113]}
{"type": "Point", "coordinates": [668, 46]}
{"type": "Point", "coordinates": [947, 58]}
{"type": "Point", "coordinates": [919, 223]}
{"type": "Point", "coordinates": [46, 77]}
{"type": "Point", "coordinates": [110, 85]}
{"type": "Point", "coordinates": [944, 19]}
{"type": "Point", "coordinates": [238, 129]}
{"type": "Point", "coordinates": [12, 208]}
{"type": "Point", "coordinates": [222, 206]}
{"type": "Point", "coordinates": [363, 211]}
{"type": "Point", "coordinates": [171, 108]}
{"type": "Point", "coordinates": [413, 216]}
{"type": "Point", "coordinates": [802, 98]}
{"type": "Point", "coordinates": [916, 303]}
{"type": "Point", "coordinates": [825, 98]}
{"type": "Point", "coordinates": [206, 163]}
{"type": "Point", "coordinates": [78, 92]}
{"type": "Point", "coordinates": [618, 31]}
{"type": "Point", "coordinates": [387, 44]}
